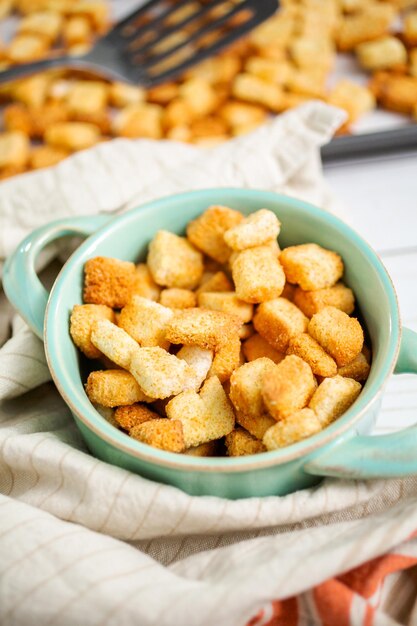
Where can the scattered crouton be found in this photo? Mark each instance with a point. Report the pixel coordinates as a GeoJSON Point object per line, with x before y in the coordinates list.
{"type": "Point", "coordinates": [312, 353]}
{"type": "Point", "coordinates": [255, 230]}
{"type": "Point", "coordinates": [257, 347]}
{"type": "Point", "coordinates": [341, 336]}
{"type": "Point", "coordinates": [159, 373]}
{"type": "Point", "coordinates": [145, 285]}
{"type": "Point", "coordinates": [216, 282]}
{"type": "Point", "coordinates": [132, 415]}
{"type": "Point", "coordinates": [241, 443]}
{"type": "Point", "coordinates": [207, 231]}
{"type": "Point", "coordinates": [227, 359]}
{"type": "Point", "coordinates": [295, 427]}
{"type": "Point", "coordinates": [333, 397]}
{"type": "Point", "coordinates": [81, 320]}
{"type": "Point", "coordinates": [311, 266]}
{"type": "Point", "coordinates": [255, 425]}
{"type": "Point", "coordinates": [200, 361]}
{"type": "Point", "coordinates": [227, 302]}
{"type": "Point", "coordinates": [246, 386]}
{"type": "Point", "coordinates": [116, 344]}
{"type": "Point", "coordinates": [258, 275]}
{"type": "Point", "coordinates": [160, 433]}
{"type": "Point", "coordinates": [146, 321]}
{"type": "Point", "coordinates": [201, 327]}
{"type": "Point", "coordinates": [278, 320]}
{"type": "Point", "coordinates": [108, 281]}
{"type": "Point", "coordinates": [174, 262]}
{"type": "Point", "coordinates": [311, 302]}
{"type": "Point", "coordinates": [358, 369]}
{"type": "Point", "coordinates": [112, 388]}
{"type": "Point", "coordinates": [175, 298]}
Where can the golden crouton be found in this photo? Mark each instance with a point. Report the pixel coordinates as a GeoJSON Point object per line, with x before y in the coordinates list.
{"type": "Point", "coordinates": [410, 28]}
{"type": "Point", "coordinates": [358, 369]}
{"type": "Point", "coordinates": [311, 302]}
{"type": "Point", "coordinates": [241, 443]}
{"type": "Point", "coordinates": [116, 344]}
{"type": "Point", "coordinates": [82, 318]}
{"type": "Point", "coordinates": [246, 386]}
{"type": "Point", "coordinates": [96, 11]}
{"type": "Point", "coordinates": [87, 97]}
{"type": "Point", "coordinates": [278, 320]}
{"type": "Point", "coordinates": [210, 448]}
{"type": "Point", "coordinates": [246, 331]}
{"type": "Point", "coordinates": [32, 91]}
{"type": "Point", "coordinates": [114, 388]}
{"type": "Point", "coordinates": [341, 336]}
{"type": "Point", "coordinates": [250, 88]}
{"type": "Point", "coordinates": [109, 281]}
{"type": "Point", "coordinates": [45, 24]}
{"type": "Point", "coordinates": [238, 114]}
{"type": "Point", "coordinates": [76, 30]}
{"type": "Point", "coordinates": [371, 23]}
{"type": "Point", "coordinates": [381, 54]}
{"type": "Point", "coordinates": [312, 353]}
{"type": "Point", "coordinates": [107, 413]}
{"type": "Point", "coordinates": [205, 416]}
{"type": "Point", "coordinates": [14, 149]}
{"type": "Point", "coordinates": [206, 232]}
{"type": "Point", "coordinates": [227, 302]}
{"type": "Point", "coordinates": [333, 397]}
{"type": "Point", "coordinates": [355, 99]}
{"type": "Point", "coordinates": [27, 48]}
{"type": "Point", "coordinates": [17, 117]}
{"type": "Point", "coordinates": [174, 262]}
{"type": "Point", "coordinates": [160, 433]}
{"type": "Point", "coordinates": [255, 425]}
{"type": "Point", "coordinates": [295, 427]}
{"type": "Point", "coordinates": [257, 347]}
{"type": "Point", "coordinates": [34, 121]}
{"type": "Point", "coordinates": [146, 320]}
{"type": "Point", "coordinates": [395, 92]}
{"type": "Point", "coordinates": [72, 136]}
{"type": "Point", "coordinates": [199, 95]}
{"type": "Point", "coordinates": [159, 373]}
{"type": "Point", "coordinates": [200, 361]}
{"type": "Point", "coordinates": [46, 156]}
{"type": "Point", "coordinates": [145, 285]}
{"type": "Point", "coordinates": [270, 70]}
{"type": "Point", "coordinates": [217, 282]}
{"type": "Point", "coordinates": [139, 120]}
{"type": "Point", "coordinates": [288, 387]}
{"type": "Point", "coordinates": [122, 95]}
{"type": "Point", "coordinates": [227, 359]}
{"type": "Point", "coordinates": [201, 327]}
{"type": "Point", "coordinates": [132, 415]}
{"type": "Point", "coordinates": [256, 230]}
{"type": "Point", "coordinates": [175, 298]}
{"type": "Point", "coordinates": [163, 93]}
{"type": "Point", "coordinates": [289, 292]}
{"type": "Point", "coordinates": [311, 266]}
{"type": "Point", "coordinates": [258, 275]}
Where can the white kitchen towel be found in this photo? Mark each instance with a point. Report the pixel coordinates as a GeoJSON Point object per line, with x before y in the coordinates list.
{"type": "Point", "coordinates": [84, 543]}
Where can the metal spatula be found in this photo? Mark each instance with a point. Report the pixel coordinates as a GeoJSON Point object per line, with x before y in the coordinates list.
{"type": "Point", "coordinates": [160, 40]}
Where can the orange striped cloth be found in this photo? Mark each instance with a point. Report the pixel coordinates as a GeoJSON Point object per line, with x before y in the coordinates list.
{"type": "Point", "coordinates": [381, 592]}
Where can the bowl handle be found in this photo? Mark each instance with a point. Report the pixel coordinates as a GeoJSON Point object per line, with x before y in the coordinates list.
{"type": "Point", "coordinates": [20, 281]}
{"type": "Point", "coordinates": [380, 456]}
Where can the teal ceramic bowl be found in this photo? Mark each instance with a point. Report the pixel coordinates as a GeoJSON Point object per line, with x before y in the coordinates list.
{"type": "Point", "coordinates": [344, 449]}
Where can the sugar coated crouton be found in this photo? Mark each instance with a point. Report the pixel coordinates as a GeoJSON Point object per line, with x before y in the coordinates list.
{"type": "Point", "coordinates": [227, 359]}
{"type": "Point", "coordinates": [112, 388]}
{"type": "Point", "coordinates": [255, 230]}
{"type": "Point", "coordinates": [207, 231]}
{"type": "Point", "coordinates": [81, 320]}
{"type": "Point", "coordinates": [200, 361]}
{"type": "Point", "coordinates": [175, 298]}
{"type": "Point", "coordinates": [255, 425]}
{"type": "Point", "coordinates": [159, 373]}
{"type": "Point", "coordinates": [205, 416]}
{"type": "Point", "coordinates": [257, 347]}
{"type": "Point", "coordinates": [246, 386]}
{"type": "Point", "coordinates": [227, 302]}
{"type": "Point", "coordinates": [312, 353]}
{"type": "Point", "coordinates": [129, 416]}
{"type": "Point", "coordinates": [144, 284]}
{"type": "Point", "coordinates": [241, 443]}
{"type": "Point", "coordinates": [115, 343]}
{"type": "Point", "coordinates": [218, 282]}
{"type": "Point", "coordinates": [311, 266]}
{"type": "Point", "coordinates": [146, 320]}
{"type": "Point", "coordinates": [278, 320]}
{"type": "Point", "coordinates": [210, 448]}
{"type": "Point", "coordinates": [258, 275]}
{"type": "Point", "coordinates": [295, 427]}
{"type": "Point", "coordinates": [174, 262]}
{"type": "Point", "coordinates": [288, 387]}
{"type": "Point", "coordinates": [358, 369]}
{"type": "Point", "coordinates": [108, 281]}
{"type": "Point", "coordinates": [311, 302]}
{"type": "Point", "coordinates": [201, 327]}
{"type": "Point", "coordinates": [160, 433]}
{"type": "Point", "coordinates": [341, 336]}
{"type": "Point", "coordinates": [333, 397]}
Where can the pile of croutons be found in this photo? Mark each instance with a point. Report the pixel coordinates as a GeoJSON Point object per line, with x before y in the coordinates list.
{"type": "Point", "coordinates": [281, 64]}
{"type": "Point", "coordinates": [221, 343]}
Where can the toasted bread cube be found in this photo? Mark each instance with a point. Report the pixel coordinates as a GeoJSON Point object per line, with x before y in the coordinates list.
{"type": "Point", "coordinates": [219, 69]}
{"type": "Point", "coordinates": [81, 321]}
{"type": "Point", "coordinates": [246, 386]}
{"type": "Point", "coordinates": [217, 282]}
{"type": "Point", "coordinates": [298, 426]}
{"type": "Point", "coordinates": [241, 443]}
{"type": "Point", "coordinates": [256, 230]}
{"type": "Point", "coordinates": [14, 149]}
{"type": "Point", "coordinates": [255, 425]}
{"type": "Point", "coordinates": [162, 94]}
{"type": "Point", "coordinates": [127, 417]}
{"type": "Point", "coordinates": [238, 114]}
{"type": "Point", "coordinates": [396, 92]}
{"type": "Point", "coordinates": [371, 23]}
{"type": "Point", "coordinates": [207, 231]}
{"type": "Point", "coordinates": [227, 359]}
{"type": "Point", "coordinates": [26, 48]}
{"type": "Point", "coordinates": [333, 397]}
{"type": "Point", "coordinates": [72, 136]}
{"type": "Point", "coordinates": [311, 302]}
{"type": "Point", "coordinates": [358, 369]}
{"type": "Point", "coordinates": [355, 99]}
{"type": "Point", "coordinates": [176, 114]}
{"type": "Point", "coordinates": [307, 52]}
{"type": "Point", "coordinates": [159, 373]}
{"type": "Point", "coordinates": [246, 331]}
{"type": "Point", "coordinates": [174, 262]}
{"type": "Point", "coordinates": [139, 120]}
{"type": "Point", "coordinates": [258, 275]}
{"type": "Point", "coordinates": [381, 54]}
{"type": "Point", "coordinates": [6, 7]}
{"type": "Point", "coordinates": [312, 353]}
{"type": "Point", "coordinates": [87, 97]}
{"type": "Point", "coordinates": [160, 433]}
{"type": "Point", "coordinates": [288, 387]}
{"type": "Point", "coordinates": [96, 11]}
{"type": "Point", "coordinates": [341, 336]}
{"type": "Point", "coordinates": [311, 266]}
{"type": "Point", "coordinates": [227, 302]}
{"type": "Point", "coordinates": [179, 133]}
{"type": "Point", "coordinates": [17, 117]}
{"type": "Point", "coordinates": [205, 416]}
{"type": "Point", "coordinates": [32, 91]}
{"type": "Point", "coordinates": [210, 448]}
{"type": "Point", "coordinates": [145, 285]}
{"type": "Point", "coordinates": [112, 388]}
{"type": "Point", "coordinates": [257, 347]}
{"type": "Point", "coordinates": [201, 327]}
{"type": "Point", "coordinates": [250, 88]}
{"type": "Point", "coordinates": [270, 70]}
{"type": "Point", "coordinates": [108, 281]}
{"type": "Point", "coordinates": [289, 292]}
{"type": "Point", "coordinates": [122, 95]}
{"type": "Point", "coordinates": [200, 361]}
{"type": "Point", "coordinates": [175, 298]}
{"type": "Point", "coordinates": [410, 28]}
{"type": "Point", "coordinates": [46, 24]}
{"type": "Point", "coordinates": [113, 342]}
{"type": "Point", "coordinates": [199, 94]}
{"type": "Point", "coordinates": [307, 83]}
{"type": "Point", "coordinates": [46, 156]}
{"type": "Point", "coordinates": [76, 30]}
{"type": "Point", "coordinates": [278, 320]}
{"type": "Point", "coordinates": [35, 120]}
{"type": "Point", "coordinates": [146, 321]}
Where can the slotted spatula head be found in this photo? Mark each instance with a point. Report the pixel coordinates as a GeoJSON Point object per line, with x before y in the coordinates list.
{"type": "Point", "coordinates": [161, 39]}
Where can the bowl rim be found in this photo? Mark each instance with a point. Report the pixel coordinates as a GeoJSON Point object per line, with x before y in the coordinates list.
{"type": "Point", "coordinates": [92, 419]}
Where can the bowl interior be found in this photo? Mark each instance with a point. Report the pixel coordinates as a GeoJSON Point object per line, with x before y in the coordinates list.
{"type": "Point", "coordinates": [128, 237]}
